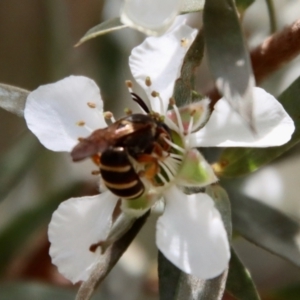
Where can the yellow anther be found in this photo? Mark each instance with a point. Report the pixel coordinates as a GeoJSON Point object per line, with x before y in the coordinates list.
{"type": "Point", "coordinates": [128, 111]}
{"type": "Point", "coordinates": [95, 172]}
{"type": "Point", "coordinates": [148, 81]}
{"type": "Point", "coordinates": [91, 104]}
{"type": "Point", "coordinates": [172, 101]}
{"type": "Point", "coordinates": [155, 94]}
{"type": "Point", "coordinates": [128, 83]}
{"type": "Point", "coordinates": [192, 112]}
{"type": "Point", "coordinates": [80, 123]}
{"type": "Point", "coordinates": [184, 42]}
{"type": "Point", "coordinates": [108, 115]}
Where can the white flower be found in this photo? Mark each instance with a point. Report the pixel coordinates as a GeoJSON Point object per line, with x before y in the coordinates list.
{"type": "Point", "coordinates": [190, 232]}
{"type": "Point", "coordinates": [152, 17]}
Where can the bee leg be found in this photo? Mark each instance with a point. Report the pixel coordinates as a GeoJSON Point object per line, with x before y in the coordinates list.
{"type": "Point", "coordinates": [151, 165]}
{"type": "Point", "coordinates": [96, 159]}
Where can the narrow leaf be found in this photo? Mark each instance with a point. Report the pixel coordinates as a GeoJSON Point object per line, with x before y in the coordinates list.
{"type": "Point", "coordinates": [266, 227]}
{"type": "Point", "coordinates": [13, 99]}
{"type": "Point", "coordinates": [241, 161]}
{"type": "Point", "coordinates": [169, 276]}
{"type": "Point", "coordinates": [109, 259]}
{"type": "Point", "coordinates": [219, 195]}
{"type": "Point", "coordinates": [102, 28]}
{"type": "Point", "coordinates": [239, 282]}
{"type": "Point", "coordinates": [16, 233]}
{"type": "Point", "coordinates": [188, 6]}
{"type": "Point", "coordinates": [177, 285]}
{"type": "Point", "coordinates": [16, 161]}
{"type": "Point", "coordinates": [290, 292]}
{"type": "Point", "coordinates": [228, 56]}
{"type": "Point", "coordinates": [184, 87]}
{"type": "Point", "coordinates": [192, 288]}
{"type": "Point", "coordinates": [242, 5]}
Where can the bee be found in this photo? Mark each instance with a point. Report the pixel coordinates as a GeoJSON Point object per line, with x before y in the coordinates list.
{"type": "Point", "coordinates": [139, 137]}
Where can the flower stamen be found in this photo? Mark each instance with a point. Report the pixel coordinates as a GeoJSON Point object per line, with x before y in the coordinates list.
{"type": "Point", "coordinates": [155, 94]}
{"type": "Point", "coordinates": [129, 85]}
{"type": "Point", "coordinates": [95, 172]}
{"type": "Point", "coordinates": [177, 156]}
{"type": "Point", "coordinates": [173, 145]}
{"type": "Point", "coordinates": [148, 81]}
{"type": "Point", "coordinates": [109, 116]}
{"type": "Point", "coordinates": [83, 124]}
{"type": "Point", "coordinates": [177, 113]}
{"type": "Point", "coordinates": [128, 111]}
{"type": "Point", "coordinates": [91, 104]}
{"type": "Point", "coordinates": [80, 123]}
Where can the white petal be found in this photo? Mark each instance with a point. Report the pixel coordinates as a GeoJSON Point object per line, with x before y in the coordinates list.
{"type": "Point", "coordinates": [152, 17]}
{"type": "Point", "coordinates": [77, 224]}
{"type": "Point", "coordinates": [52, 112]}
{"type": "Point", "coordinates": [161, 58]}
{"type": "Point", "coordinates": [191, 234]}
{"type": "Point", "coordinates": [226, 128]}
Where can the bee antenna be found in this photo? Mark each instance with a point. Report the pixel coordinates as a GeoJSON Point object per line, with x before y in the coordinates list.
{"type": "Point", "coordinates": [140, 102]}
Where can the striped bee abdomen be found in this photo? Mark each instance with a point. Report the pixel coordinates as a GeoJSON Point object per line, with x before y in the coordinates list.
{"type": "Point", "coordinates": [118, 174]}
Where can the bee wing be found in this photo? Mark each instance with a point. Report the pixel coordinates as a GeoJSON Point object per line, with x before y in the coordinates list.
{"type": "Point", "coordinates": [94, 144]}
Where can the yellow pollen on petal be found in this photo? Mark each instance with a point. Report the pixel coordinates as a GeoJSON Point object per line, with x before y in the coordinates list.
{"type": "Point", "coordinates": [80, 123]}
{"type": "Point", "coordinates": [148, 81]}
{"type": "Point", "coordinates": [184, 42]}
{"type": "Point", "coordinates": [91, 104]}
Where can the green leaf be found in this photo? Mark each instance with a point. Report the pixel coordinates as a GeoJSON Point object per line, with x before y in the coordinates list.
{"type": "Point", "coordinates": [239, 282]}
{"type": "Point", "coordinates": [228, 56]}
{"type": "Point", "coordinates": [191, 287]}
{"type": "Point", "coordinates": [169, 277]}
{"type": "Point", "coordinates": [189, 6]}
{"type": "Point", "coordinates": [291, 292]}
{"type": "Point", "coordinates": [109, 259]}
{"type": "Point", "coordinates": [222, 203]}
{"type": "Point", "coordinates": [34, 291]}
{"type": "Point", "coordinates": [265, 226]}
{"type": "Point", "coordinates": [175, 284]}
{"type": "Point", "coordinates": [16, 233]}
{"type": "Point", "coordinates": [16, 162]}
{"type": "Point", "coordinates": [102, 28]}
{"type": "Point", "coordinates": [242, 5]}
{"type": "Point", "coordinates": [235, 162]}
{"type": "Point", "coordinates": [13, 99]}
{"type": "Point", "coordinates": [184, 87]}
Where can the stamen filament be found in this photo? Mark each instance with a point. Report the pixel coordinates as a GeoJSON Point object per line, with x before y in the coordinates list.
{"type": "Point", "coordinates": [190, 125]}
{"type": "Point", "coordinates": [178, 116]}
{"type": "Point", "coordinates": [162, 178]}
{"type": "Point", "coordinates": [174, 155]}
{"type": "Point", "coordinates": [174, 146]}
{"type": "Point", "coordinates": [167, 170]}
{"type": "Point", "coordinates": [171, 166]}
{"type": "Point", "coordinates": [88, 128]}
